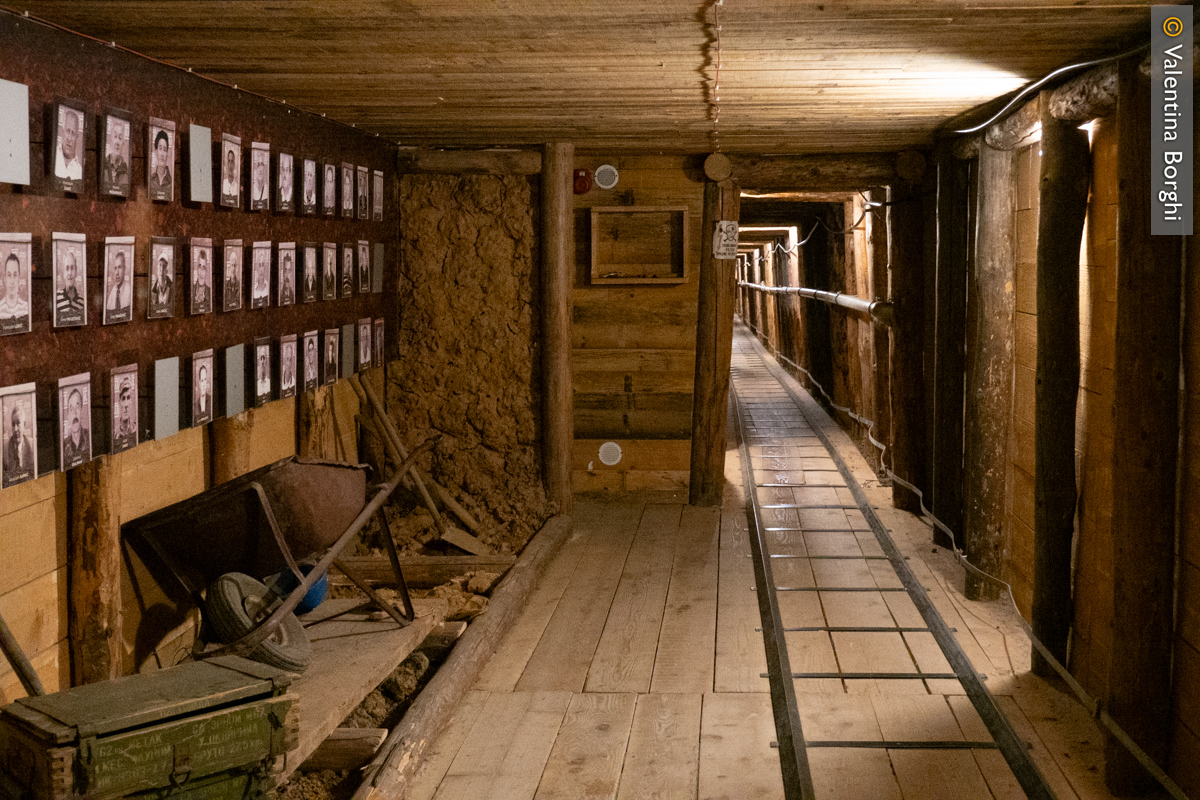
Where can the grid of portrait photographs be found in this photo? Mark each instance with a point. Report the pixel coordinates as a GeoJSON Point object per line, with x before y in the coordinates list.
{"type": "Point", "coordinates": [347, 190]}
{"type": "Point", "coordinates": [378, 342]}
{"type": "Point", "coordinates": [347, 282]}
{"type": "Point", "coordinates": [18, 426]}
{"type": "Point", "coordinates": [160, 168]}
{"type": "Point", "coordinates": [329, 268]}
{"type": "Point", "coordinates": [202, 387]}
{"type": "Point", "coordinates": [74, 420]}
{"type": "Point", "coordinates": [231, 279]}
{"type": "Point", "coordinates": [377, 196]}
{"type": "Point", "coordinates": [260, 176]}
{"type": "Point", "coordinates": [364, 267]}
{"type": "Point", "coordinates": [260, 275]}
{"type": "Point", "coordinates": [329, 189]}
{"type": "Point", "coordinates": [286, 282]}
{"type": "Point", "coordinates": [231, 170]}
{"type": "Point", "coordinates": [329, 363]}
{"type": "Point", "coordinates": [124, 408]}
{"type": "Point", "coordinates": [162, 278]}
{"type": "Point", "coordinates": [115, 126]}
{"type": "Point", "coordinates": [310, 285]}
{"type": "Point", "coordinates": [200, 300]}
{"type": "Point", "coordinates": [16, 252]}
{"type": "Point", "coordinates": [262, 371]}
{"type": "Point", "coordinates": [285, 186]}
{"type": "Point", "coordinates": [70, 279]}
{"type": "Point", "coordinates": [308, 196]}
{"type": "Point", "coordinates": [287, 366]}
{"type": "Point", "coordinates": [66, 174]}
{"type": "Point", "coordinates": [118, 279]}
{"type": "Point", "coordinates": [365, 352]}
{"type": "Point", "coordinates": [312, 360]}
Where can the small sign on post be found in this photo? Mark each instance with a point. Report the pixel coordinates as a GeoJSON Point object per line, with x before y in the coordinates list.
{"type": "Point", "coordinates": [725, 240]}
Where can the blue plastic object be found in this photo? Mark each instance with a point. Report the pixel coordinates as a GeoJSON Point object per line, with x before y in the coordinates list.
{"type": "Point", "coordinates": [285, 582]}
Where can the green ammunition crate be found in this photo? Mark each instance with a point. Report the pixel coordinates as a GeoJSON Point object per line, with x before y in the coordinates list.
{"type": "Point", "coordinates": [206, 730]}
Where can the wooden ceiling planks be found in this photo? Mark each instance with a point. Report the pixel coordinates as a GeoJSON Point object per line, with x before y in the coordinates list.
{"type": "Point", "coordinates": [621, 74]}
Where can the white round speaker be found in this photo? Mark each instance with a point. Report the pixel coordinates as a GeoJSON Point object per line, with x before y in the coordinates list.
{"type": "Point", "coordinates": [606, 176]}
{"type": "Point", "coordinates": [610, 454]}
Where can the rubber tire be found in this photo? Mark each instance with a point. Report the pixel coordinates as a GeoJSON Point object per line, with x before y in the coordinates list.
{"type": "Point", "coordinates": [236, 602]}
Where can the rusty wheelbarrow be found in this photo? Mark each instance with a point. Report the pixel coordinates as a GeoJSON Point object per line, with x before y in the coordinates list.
{"type": "Point", "coordinates": [222, 542]}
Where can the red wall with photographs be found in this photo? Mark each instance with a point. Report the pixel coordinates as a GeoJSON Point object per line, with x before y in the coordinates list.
{"type": "Point", "coordinates": [57, 65]}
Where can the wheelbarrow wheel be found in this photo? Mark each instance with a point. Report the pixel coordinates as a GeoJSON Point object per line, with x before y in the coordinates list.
{"type": "Point", "coordinates": [237, 602]}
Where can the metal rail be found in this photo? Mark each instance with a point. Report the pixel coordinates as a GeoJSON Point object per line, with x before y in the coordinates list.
{"type": "Point", "coordinates": [881, 311]}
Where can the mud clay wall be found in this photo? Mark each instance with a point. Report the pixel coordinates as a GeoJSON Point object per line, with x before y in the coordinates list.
{"type": "Point", "coordinates": [467, 344]}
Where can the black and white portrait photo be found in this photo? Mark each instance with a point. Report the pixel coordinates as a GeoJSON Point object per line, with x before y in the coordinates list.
{"type": "Point", "coordinates": [124, 408]}
{"type": "Point", "coordinates": [260, 176]}
{"type": "Point", "coordinates": [18, 426]}
{"type": "Point", "coordinates": [310, 284]}
{"type": "Point", "coordinates": [260, 275]}
{"type": "Point", "coordinates": [285, 182]}
{"type": "Point", "coordinates": [286, 282]}
{"type": "Point", "coordinates": [70, 280]}
{"type": "Point", "coordinates": [262, 372]}
{"type": "Point", "coordinates": [202, 387]}
{"type": "Point", "coordinates": [118, 279]}
{"type": "Point", "coordinates": [312, 361]}
{"type": "Point", "coordinates": [347, 190]}
{"type": "Point", "coordinates": [231, 276]}
{"type": "Point", "coordinates": [378, 342]}
{"type": "Point", "coordinates": [16, 250]}
{"type": "Point", "coordinates": [160, 165]}
{"type": "Point", "coordinates": [162, 279]}
{"type": "Point", "coordinates": [114, 164]}
{"type": "Point", "coordinates": [329, 268]}
{"type": "Point", "coordinates": [347, 283]}
{"type": "Point", "coordinates": [287, 366]}
{"type": "Point", "coordinates": [364, 343]}
{"type": "Point", "coordinates": [231, 170]}
{"type": "Point", "coordinates": [364, 178]}
{"type": "Point", "coordinates": [68, 147]}
{"type": "Point", "coordinates": [75, 420]}
{"type": "Point", "coordinates": [329, 190]}
{"type": "Point", "coordinates": [201, 282]}
{"type": "Point", "coordinates": [377, 195]}
{"type": "Point", "coordinates": [308, 196]}
{"type": "Point", "coordinates": [364, 267]}
{"type": "Point", "coordinates": [329, 366]}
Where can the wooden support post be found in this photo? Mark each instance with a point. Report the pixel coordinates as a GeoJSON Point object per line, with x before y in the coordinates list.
{"type": "Point", "coordinates": [714, 349]}
{"type": "Point", "coordinates": [558, 273]}
{"type": "Point", "coordinates": [1145, 443]}
{"type": "Point", "coordinates": [1066, 167]}
{"type": "Point", "coordinates": [877, 269]}
{"type": "Point", "coordinates": [906, 264]}
{"type": "Point", "coordinates": [94, 570]}
{"type": "Point", "coordinates": [990, 336]}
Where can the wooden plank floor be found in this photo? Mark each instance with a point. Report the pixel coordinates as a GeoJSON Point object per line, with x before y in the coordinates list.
{"type": "Point", "coordinates": [635, 669]}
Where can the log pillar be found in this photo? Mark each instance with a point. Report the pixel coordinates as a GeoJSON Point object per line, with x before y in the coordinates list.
{"type": "Point", "coordinates": [1145, 448]}
{"type": "Point", "coordinates": [94, 570]}
{"type": "Point", "coordinates": [558, 271]}
{"type": "Point", "coordinates": [906, 265]}
{"type": "Point", "coordinates": [714, 349]}
{"type": "Point", "coordinates": [991, 332]}
{"type": "Point", "coordinates": [1063, 195]}
{"type": "Point", "coordinates": [877, 270]}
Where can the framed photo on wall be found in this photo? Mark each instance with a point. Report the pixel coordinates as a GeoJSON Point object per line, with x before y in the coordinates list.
{"type": "Point", "coordinates": [16, 298]}
{"type": "Point", "coordinates": [312, 360]}
{"type": "Point", "coordinates": [118, 279]}
{"type": "Point", "coordinates": [231, 170]}
{"type": "Point", "coordinates": [262, 371]}
{"type": "Point", "coordinates": [74, 420]}
{"type": "Point", "coordinates": [287, 366]}
{"type": "Point", "coordinates": [310, 285]}
{"type": "Point", "coordinates": [285, 182]}
{"type": "Point", "coordinates": [364, 177]}
{"type": "Point", "coordinates": [308, 197]}
{"type": "Point", "coordinates": [260, 176]}
{"type": "Point", "coordinates": [18, 426]}
{"type": "Point", "coordinates": [201, 279]}
{"type": "Point", "coordinates": [329, 267]}
{"type": "Point", "coordinates": [347, 282]}
{"type": "Point", "coordinates": [365, 351]}
{"type": "Point", "coordinates": [231, 278]}
{"type": "Point", "coordinates": [68, 123]}
{"type": "Point", "coordinates": [161, 303]}
{"type": "Point", "coordinates": [260, 275]}
{"type": "Point", "coordinates": [329, 365]}
{"type": "Point", "coordinates": [70, 279]}
{"type": "Point", "coordinates": [378, 342]}
{"type": "Point", "coordinates": [329, 189]}
{"type": "Point", "coordinates": [115, 127]}
{"type": "Point", "coordinates": [124, 408]}
{"type": "Point", "coordinates": [160, 160]}
{"type": "Point", "coordinates": [347, 190]}
{"type": "Point", "coordinates": [202, 387]}
{"type": "Point", "coordinates": [286, 281]}
{"type": "Point", "coordinates": [377, 195]}
{"type": "Point", "coordinates": [364, 267]}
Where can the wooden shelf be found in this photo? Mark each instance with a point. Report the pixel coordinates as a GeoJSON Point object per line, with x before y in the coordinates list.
{"type": "Point", "coordinates": [639, 245]}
